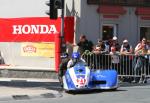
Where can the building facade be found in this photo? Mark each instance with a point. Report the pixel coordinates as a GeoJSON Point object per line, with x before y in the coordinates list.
{"type": "Point", "coordinates": [103, 19]}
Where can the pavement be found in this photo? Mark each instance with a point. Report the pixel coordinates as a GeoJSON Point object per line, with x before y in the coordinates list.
{"type": "Point", "coordinates": [23, 82]}
{"type": "Point", "coordinates": [28, 88]}
{"type": "Point", "coordinates": [11, 71]}
{"type": "Point", "coordinates": [17, 67]}
{"type": "Point", "coordinates": [28, 79]}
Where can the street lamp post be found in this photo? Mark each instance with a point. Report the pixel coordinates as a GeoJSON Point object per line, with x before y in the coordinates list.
{"type": "Point", "coordinates": [62, 19]}
{"type": "Point", "coordinates": [54, 5]}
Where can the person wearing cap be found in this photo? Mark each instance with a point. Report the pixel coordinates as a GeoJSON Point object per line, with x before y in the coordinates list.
{"type": "Point", "coordinates": [115, 44]}
{"type": "Point", "coordinates": [126, 48]}
{"type": "Point", "coordinates": [114, 38]}
{"type": "Point", "coordinates": [126, 60]}
{"type": "Point", "coordinates": [63, 66]}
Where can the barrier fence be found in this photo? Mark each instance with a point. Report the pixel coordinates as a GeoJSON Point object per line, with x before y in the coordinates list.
{"type": "Point", "coordinates": [126, 65]}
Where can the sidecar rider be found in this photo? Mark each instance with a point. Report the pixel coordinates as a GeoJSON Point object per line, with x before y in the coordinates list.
{"type": "Point", "coordinates": [75, 59]}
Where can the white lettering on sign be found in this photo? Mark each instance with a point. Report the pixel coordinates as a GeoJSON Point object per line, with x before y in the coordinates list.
{"type": "Point", "coordinates": [34, 29]}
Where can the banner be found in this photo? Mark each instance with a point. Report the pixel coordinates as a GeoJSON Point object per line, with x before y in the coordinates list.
{"type": "Point", "coordinates": [34, 29]}
{"type": "Point", "coordinates": [38, 49]}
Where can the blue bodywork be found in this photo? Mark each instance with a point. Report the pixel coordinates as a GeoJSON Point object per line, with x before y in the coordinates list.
{"type": "Point", "coordinates": [105, 79]}
{"type": "Point", "coordinates": [80, 77]}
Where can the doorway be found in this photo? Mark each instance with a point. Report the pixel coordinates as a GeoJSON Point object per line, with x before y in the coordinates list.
{"type": "Point", "coordinates": [145, 32]}
{"type": "Point", "coordinates": [108, 31]}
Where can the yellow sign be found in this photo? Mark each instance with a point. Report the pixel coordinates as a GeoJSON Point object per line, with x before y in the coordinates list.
{"type": "Point", "coordinates": [38, 49]}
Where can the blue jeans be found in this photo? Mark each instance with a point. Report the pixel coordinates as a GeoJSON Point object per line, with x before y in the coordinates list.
{"type": "Point", "coordinates": [138, 66]}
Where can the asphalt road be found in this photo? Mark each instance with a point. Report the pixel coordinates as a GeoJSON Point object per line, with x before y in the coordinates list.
{"type": "Point", "coordinates": [127, 93]}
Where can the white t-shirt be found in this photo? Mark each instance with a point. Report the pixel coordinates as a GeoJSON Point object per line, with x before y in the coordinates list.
{"type": "Point", "coordinates": [114, 58]}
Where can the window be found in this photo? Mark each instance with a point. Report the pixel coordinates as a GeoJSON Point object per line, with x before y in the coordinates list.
{"type": "Point", "coordinates": [145, 32]}
{"type": "Point", "coordinates": [108, 31]}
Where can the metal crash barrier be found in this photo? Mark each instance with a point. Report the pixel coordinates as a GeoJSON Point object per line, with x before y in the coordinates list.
{"type": "Point", "coordinates": [126, 65]}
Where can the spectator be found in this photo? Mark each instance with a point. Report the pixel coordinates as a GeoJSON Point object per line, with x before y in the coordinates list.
{"type": "Point", "coordinates": [141, 47]}
{"type": "Point", "coordinates": [140, 50]}
{"type": "Point", "coordinates": [126, 59]}
{"type": "Point", "coordinates": [115, 44]}
{"type": "Point", "coordinates": [99, 48]}
{"type": "Point", "coordinates": [107, 46]}
{"type": "Point", "coordinates": [114, 59]}
{"type": "Point", "coordinates": [126, 48]}
{"type": "Point", "coordinates": [84, 44]}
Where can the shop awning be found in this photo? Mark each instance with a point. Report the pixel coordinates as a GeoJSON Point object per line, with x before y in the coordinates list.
{"type": "Point", "coordinates": [119, 10]}
{"type": "Point", "coordinates": [143, 11]}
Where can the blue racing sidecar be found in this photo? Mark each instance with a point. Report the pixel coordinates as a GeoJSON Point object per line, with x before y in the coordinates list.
{"type": "Point", "coordinates": [80, 77]}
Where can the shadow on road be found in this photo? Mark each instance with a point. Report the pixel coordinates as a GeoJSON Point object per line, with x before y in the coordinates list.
{"type": "Point", "coordinates": [23, 84]}
{"type": "Point", "coordinates": [93, 91]}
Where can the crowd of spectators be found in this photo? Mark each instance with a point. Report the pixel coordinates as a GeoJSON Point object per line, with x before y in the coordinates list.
{"type": "Point", "coordinates": [124, 58]}
{"type": "Point", "coordinates": [112, 45]}
{"type": "Point", "coordinates": [120, 54]}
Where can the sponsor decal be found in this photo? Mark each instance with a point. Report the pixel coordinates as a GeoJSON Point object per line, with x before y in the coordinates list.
{"type": "Point", "coordinates": [29, 49]}
{"type": "Point", "coordinates": [38, 49]}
